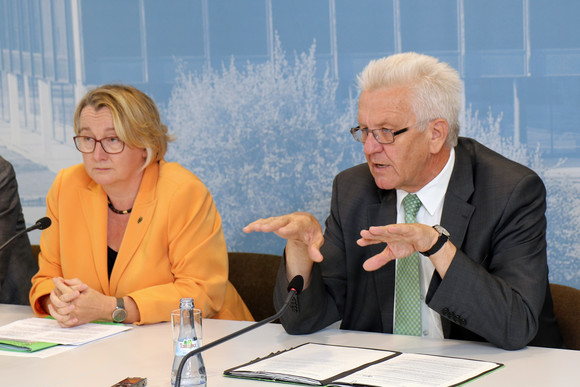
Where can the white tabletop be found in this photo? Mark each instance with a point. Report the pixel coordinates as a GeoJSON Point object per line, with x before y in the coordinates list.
{"type": "Point", "coordinates": [146, 351]}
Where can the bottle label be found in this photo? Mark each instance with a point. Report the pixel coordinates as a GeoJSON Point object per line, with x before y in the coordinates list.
{"type": "Point", "coordinates": [185, 346]}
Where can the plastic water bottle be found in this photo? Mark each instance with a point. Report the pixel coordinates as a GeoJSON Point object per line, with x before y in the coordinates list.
{"type": "Point", "coordinates": [193, 373]}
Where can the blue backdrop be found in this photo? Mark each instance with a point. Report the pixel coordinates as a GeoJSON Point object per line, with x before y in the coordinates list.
{"type": "Point", "coordinates": [260, 93]}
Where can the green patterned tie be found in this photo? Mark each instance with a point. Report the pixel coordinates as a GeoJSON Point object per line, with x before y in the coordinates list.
{"type": "Point", "coordinates": [407, 285]}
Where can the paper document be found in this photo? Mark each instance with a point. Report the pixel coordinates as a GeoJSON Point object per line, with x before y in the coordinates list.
{"type": "Point", "coordinates": [312, 363]}
{"type": "Point", "coordinates": [335, 365]}
{"type": "Point", "coordinates": [410, 369]}
{"type": "Point", "coordinates": [45, 330]}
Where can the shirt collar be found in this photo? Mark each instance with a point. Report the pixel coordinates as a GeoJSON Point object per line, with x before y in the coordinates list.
{"type": "Point", "coordinates": [432, 194]}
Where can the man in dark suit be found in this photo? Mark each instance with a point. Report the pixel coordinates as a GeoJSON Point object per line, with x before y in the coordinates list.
{"type": "Point", "coordinates": [17, 262]}
{"type": "Point", "coordinates": [480, 225]}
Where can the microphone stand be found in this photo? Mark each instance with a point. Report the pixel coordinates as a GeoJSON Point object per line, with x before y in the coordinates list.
{"type": "Point", "coordinates": [40, 224]}
{"type": "Point", "coordinates": [292, 292]}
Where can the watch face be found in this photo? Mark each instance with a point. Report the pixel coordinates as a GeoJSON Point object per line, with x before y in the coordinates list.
{"type": "Point", "coordinates": [119, 315]}
{"type": "Point", "coordinates": [441, 230]}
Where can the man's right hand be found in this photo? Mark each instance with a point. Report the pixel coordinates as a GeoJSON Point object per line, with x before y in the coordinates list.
{"type": "Point", "coordinates": [304, 236]}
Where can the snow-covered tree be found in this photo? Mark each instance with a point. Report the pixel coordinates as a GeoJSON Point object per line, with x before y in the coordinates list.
{"type": "Point", "coordinates": [266, 139]}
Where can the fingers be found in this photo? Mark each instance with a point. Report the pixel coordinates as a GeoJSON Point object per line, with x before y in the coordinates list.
{"type": "Point", "coordinates": [301, 228]}
{"type": "Point", "coordinates": [76, 284]}
{"type": "Point", "coordinates": [368, 238]}
{"type": "Point", "coordinates": [61, 307]}
{"type": "Point", "coordinates": [62, 297]}
{"type": "Point", "coordinates": [400, 240]}
{"type": "Point", "coordinates": [316, 242]}
{"type": "Point", "coordinates": [64, 292]}
{"type": "Point", "coordinates": [62, 311]}
{"type": "Point", "coordinates": [315, 254]}
{"type": "Point", "coordinates": [267, 224]}
{"type": "Point", "coordinates": [72, 302]}
{"type": "Point", "coordinates": [65, 320]}
{"type": "Point", "coordinates": [393, 233]}
{"type": "Point", "coordinates": [377, 261]}
{"type": "Point", "coordinates": [298, 226]}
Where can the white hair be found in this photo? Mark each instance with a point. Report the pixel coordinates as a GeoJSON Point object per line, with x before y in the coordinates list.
{"type": "Point", "coordinates": [435, 86]}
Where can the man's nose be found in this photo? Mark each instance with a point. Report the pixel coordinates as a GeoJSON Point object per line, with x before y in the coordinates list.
{"type": "Point", "coordinates": [372, 145]}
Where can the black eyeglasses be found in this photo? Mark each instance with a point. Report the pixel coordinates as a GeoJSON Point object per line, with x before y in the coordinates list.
{"type": "Point", "coordinates": [383, 136]}
{"type": "Point", "coordinates": [111, 145]}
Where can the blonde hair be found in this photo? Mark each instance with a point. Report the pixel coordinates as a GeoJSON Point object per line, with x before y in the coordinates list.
{"type": "Point", "coordinates": [435, 86]}
{"type": "Point", "coordinates": [135, 116]}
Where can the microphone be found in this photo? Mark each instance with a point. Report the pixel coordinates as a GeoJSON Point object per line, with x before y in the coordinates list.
{"type": "Point", "coordinates": [40, 224]}
{"type": "Point", "coordinates": [294, 288]}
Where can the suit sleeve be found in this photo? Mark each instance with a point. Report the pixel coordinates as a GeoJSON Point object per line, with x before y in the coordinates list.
{"type": "Point", "coordinates": [501, 297]}
{"type": "Point", "coordinates": [8, 212]}
{"type": "Point", "coordinates": [17, 263]}
{"type": "Point", "coordinates": [197, 255]}
{"type": "Point", "coordinates": [319, 305]}
{"type": "Point", "coordinates": [49, 257]}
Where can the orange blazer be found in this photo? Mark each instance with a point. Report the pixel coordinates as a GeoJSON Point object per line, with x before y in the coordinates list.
{"type": "Point", "coordinates": [173, 246]}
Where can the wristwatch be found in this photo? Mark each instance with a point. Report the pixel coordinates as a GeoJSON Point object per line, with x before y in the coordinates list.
{"type": "Point", "coordinates": [443, 238]}
{"type": "Point", "coordinates": [119, 314]}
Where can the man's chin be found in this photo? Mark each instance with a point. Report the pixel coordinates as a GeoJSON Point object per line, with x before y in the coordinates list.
{"type": "Point", "coordinates": [385, 183]}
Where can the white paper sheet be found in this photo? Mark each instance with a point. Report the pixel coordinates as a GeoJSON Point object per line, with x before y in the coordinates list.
{"type": "Point", "coordinates": [409, 369]}
{"type": "Point", "coordinates": [47, 330]}
{"type": "Point", "coordinates": [316, 361]}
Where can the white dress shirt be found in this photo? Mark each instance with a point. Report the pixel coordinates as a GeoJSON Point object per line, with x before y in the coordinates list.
{"type": "Point", "coordinates": [431, 196]}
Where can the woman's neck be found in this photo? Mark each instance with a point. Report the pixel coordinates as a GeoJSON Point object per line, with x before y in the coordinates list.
{"type": "Point", "coordinates": [122, 195]}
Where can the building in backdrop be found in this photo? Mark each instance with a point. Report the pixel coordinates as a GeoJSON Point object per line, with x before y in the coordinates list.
{"type": "Point", "coordinates": [260, 93]}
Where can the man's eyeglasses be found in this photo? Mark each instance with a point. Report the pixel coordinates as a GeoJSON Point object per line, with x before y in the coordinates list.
{"type": "Point", "coordinates": [111, 145]}
{"type": "Point", "coordinates": [383, 136]}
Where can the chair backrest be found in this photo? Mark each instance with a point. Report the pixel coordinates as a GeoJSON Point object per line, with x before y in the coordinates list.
{"type": "Point", "coordinates": [35, 250]}
{"type": "Point", "coordinates": [254, 277]}
{"type": "Point", "coordinates": [567, 311]}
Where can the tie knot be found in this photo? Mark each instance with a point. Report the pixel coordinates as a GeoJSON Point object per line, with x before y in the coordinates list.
{"type": "Point", "coordinates": [411, 203]}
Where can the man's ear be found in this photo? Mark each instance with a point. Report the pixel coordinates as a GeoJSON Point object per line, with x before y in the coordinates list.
{"type": "Point", "coordinates": [439, 128]}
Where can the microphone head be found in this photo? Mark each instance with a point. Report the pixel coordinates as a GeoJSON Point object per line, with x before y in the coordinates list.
{"type": "Point", "coordinates": [43, 223]}
{"type": "Point", "coordinates": [296, 284]}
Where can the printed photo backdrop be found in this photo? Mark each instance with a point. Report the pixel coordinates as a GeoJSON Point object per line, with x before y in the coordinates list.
{"type": "Point", "coordinates": [260, 94]}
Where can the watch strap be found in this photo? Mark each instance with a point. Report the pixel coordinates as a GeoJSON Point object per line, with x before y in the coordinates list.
{"type": "Point", "coordinates": [443, 238]}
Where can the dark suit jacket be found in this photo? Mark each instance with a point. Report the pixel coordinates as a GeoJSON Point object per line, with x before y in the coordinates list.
{"type": "Point", "coordinates": [17, 263]}
{"type": "Point", "coordinates": [496, 288]}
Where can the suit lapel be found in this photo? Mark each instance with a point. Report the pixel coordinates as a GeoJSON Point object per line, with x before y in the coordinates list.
{"type": "Point", "coordinates": [381, 214]}
{"type": "Point", "coordinates": [139, 222]}
{"type": "Point", "coordinates": [457, 211]}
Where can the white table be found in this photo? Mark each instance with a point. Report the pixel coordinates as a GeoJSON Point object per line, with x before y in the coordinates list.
{"type": "Point", "coordinates": [146, 351]}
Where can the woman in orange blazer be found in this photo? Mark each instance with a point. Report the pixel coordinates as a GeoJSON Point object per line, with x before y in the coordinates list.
{"type": "Point", "coordinates": [131, 233]}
